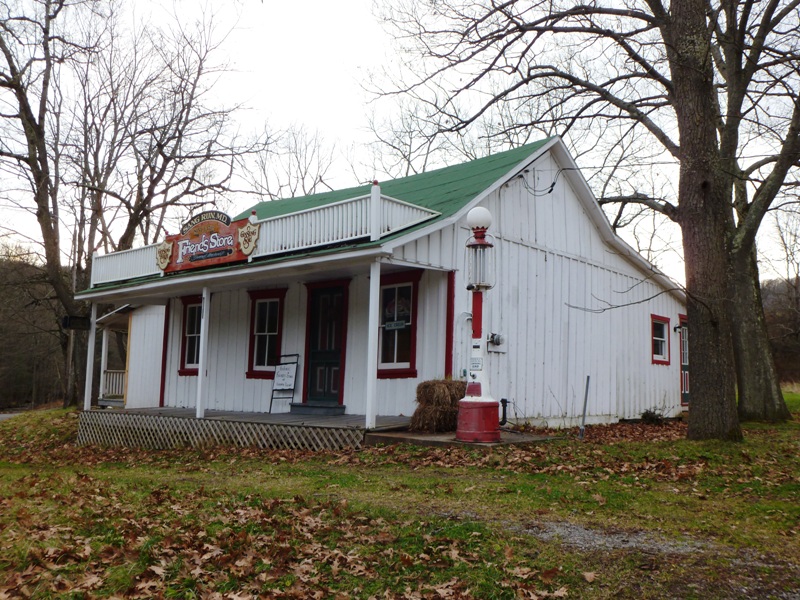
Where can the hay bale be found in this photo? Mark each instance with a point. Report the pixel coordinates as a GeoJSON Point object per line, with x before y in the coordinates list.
{"type": "Point", "coordinates": [437, 406]}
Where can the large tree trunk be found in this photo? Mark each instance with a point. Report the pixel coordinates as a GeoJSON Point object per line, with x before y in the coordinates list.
{"type": "Point", "coordinates": [713, 410]}
{"type": "Point", "coordinates": [706, 219]}
{"type": "Point", "coordinates": [760, 397]}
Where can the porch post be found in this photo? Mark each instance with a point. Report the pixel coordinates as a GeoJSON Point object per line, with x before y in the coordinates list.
{"type": "Point", "coordinates": [87, 388]}
{"type": "Point", "coordinates": [202, 367]}
{"type": "Point", "coordinates": [103, 363]}
{"type": "Point", "coordinates": [372, 342]}
{"type": "Point", "coordinates": [375, 212]}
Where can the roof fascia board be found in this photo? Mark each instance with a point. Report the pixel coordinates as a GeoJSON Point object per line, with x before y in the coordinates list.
{"type": "Point", "coordinates": [228, 277]}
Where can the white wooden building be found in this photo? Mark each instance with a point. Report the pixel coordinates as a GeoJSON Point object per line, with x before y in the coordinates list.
{"type": "Point", "coordinates": [367, 287]}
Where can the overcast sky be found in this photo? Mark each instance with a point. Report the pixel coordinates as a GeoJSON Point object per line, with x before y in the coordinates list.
{"type": "Point", "coordinates": [305, 63]}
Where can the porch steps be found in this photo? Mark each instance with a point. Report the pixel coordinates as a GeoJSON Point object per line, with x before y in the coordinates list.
{"type": "Point", "coordinates": [320, 409]}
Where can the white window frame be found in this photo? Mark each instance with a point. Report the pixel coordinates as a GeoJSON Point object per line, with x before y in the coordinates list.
{"type": "Point", "coordinates": [664, 357]}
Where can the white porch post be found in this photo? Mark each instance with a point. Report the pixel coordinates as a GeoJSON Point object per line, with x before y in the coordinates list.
{"type": "Point", "coordinates": [103, 363]}
{"type": "Point", "coordinates": [372, 341]}
{"type": "Point", "coordinates": [87, 388]}
{"type": "Point", "coordinates": [205, 320]}
{"type": "Point", "coordinates": [375, 212]}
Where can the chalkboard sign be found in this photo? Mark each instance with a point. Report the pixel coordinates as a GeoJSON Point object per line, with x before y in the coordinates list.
{"type": "Point", "coordinates": [284, 376]}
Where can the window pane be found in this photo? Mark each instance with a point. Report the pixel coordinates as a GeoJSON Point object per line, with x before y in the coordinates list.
{"type": "Point", "coordinates": [388, 304]}
{"type": "Point", "coordinates": [403, 345]}
{"type": "Point", "coordinates": [658, 330]}
{"type": "Point", "coordinates": [272, 318]}
{"type": "Point", "coordinates": [272, 350]}
{"type": "Point", "coordinates": [404, 303]}
{"type": "Point", "coordinates": [192, 350]}
{"type": "Point", "coordinates": [261, 316]}
{"type": "Point", "coordinates": [193, 317]}
{"type": "Point", "coordinates": [659, 348]}
{"type": "Point", "coordinates": [261, 342]}
{"type": "Point", "coordinates": [387, 346]}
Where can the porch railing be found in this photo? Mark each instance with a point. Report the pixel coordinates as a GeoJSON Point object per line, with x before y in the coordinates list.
{"type": "Point", "coordinates": [113, 384]}
{"type": "Point", "coordinates": [335, 223]}
{"type": "Point", "coordinates": [124, 265]}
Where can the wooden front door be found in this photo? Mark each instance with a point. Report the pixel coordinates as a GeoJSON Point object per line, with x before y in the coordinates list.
{"type": "Point", "coordinates": [327, 324]}
{"type": "Point", "coordinates": [684, 341]}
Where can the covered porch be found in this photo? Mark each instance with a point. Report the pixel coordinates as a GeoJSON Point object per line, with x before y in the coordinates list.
{"type": "Point", "coordinates": [169, 428]}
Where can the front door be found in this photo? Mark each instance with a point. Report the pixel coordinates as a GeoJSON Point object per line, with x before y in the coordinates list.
{"type": "Point", "coordinates": [684, 329]}
{"type": "Point", "coordinates": [327, 323]}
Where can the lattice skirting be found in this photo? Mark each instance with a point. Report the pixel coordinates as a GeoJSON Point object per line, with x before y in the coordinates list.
{"type": "Point", "coordinates": [108, 428]}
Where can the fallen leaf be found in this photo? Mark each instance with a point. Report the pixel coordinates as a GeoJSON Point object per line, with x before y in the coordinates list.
{"type": "Point", "coordinates": [590, 577]}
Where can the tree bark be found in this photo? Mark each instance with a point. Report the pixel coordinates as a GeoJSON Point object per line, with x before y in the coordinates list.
{"type": "Point", "coordinates": [706, 219]}
{"type": "Point", "coordinates": [713, 412]}
{"type": "Point", "coordinates": [760, 397]}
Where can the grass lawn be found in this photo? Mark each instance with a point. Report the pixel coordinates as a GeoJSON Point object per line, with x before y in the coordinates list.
{"type": "Point", "coordinates": [633, 511]}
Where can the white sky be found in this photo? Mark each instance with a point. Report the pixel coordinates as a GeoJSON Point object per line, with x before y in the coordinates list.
{"type": "Point", "coordinates": [304, 61]}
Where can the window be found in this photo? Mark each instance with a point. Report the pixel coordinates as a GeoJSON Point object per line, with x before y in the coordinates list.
{"type": "Point", "coordinates": [190, 341]}
{"type": "Point", "coordinates": [660, 335]}
{"type": "Point", "coordinates": [266, 318]}
{"type": "Point", "coordinates": [397, 339]}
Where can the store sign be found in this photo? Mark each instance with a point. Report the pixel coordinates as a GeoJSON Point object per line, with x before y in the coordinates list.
{"type": "Point", "coordinates": [209, 238]}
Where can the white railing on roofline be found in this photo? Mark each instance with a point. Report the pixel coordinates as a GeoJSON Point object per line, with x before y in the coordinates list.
{"type": "Point", "coordinates": [124, 265]}
{"type": "Point", "coordinates": [335, 223]}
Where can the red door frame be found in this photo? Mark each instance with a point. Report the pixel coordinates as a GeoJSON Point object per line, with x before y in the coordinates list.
{"type": "Point", "coordinates": [310, 287]}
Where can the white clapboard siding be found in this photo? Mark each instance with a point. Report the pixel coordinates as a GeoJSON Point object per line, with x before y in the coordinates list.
{"type": "Point", "coordinates": [396, 396]}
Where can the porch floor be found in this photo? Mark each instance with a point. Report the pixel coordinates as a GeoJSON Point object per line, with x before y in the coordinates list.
{"type": "Point", "coordinates": [382, 423]}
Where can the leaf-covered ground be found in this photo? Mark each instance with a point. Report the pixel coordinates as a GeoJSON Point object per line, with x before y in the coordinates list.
{"type": "Point", "coordinates": [631, 511]}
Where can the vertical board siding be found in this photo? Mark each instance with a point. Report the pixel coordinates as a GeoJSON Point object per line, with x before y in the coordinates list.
{"type": "Point", "coordinates": [396, 396]}
{"type": "Point", "coordinates": [568, 307]}
{"type": "Point", "coordinates": [145, 341]}
{"type": "Point", "coordinates": [228, 388]}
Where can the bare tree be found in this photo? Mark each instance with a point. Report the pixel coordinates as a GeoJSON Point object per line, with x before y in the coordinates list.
{"type": "Point", "coordinates": [289, 163]}
{"type": "Point", "coordinates": [714, 85]}
{"type": "Point", "coordinates": [30, 369]}
{"type": "Point", "coordinates": [112, 132]}
{"type": "Point", "coordinates": [34, 50]}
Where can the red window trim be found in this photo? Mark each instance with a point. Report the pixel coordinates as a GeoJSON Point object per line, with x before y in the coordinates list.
{"type": "Point", "coordinates": [187, 301]}
{"type": "Point", "coordinates": [278, 294]}
{"type": "Point", "coordinates": [413, 277]}
{"type": "Point", "coordinates": [665, 321]}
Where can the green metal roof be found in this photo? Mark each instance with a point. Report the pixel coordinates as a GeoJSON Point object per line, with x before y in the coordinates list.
{"type": "Point", "coordinates": [444, 190]}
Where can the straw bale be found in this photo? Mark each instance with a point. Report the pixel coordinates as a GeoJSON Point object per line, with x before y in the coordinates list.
{"type": "Point", "coordinates": [437, 406]}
